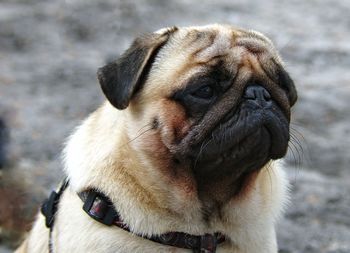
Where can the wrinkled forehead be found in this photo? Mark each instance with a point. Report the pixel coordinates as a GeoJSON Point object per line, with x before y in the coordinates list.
{"type": "Point", "coordinates": [195, 49]}
{"type": "Point", "coordinates": [219, 40]}
{"type": "Point", "coordinates": [212, 41]}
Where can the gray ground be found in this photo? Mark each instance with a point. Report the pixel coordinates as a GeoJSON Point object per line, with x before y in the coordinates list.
{"type": "Point", "coordinates": [49, 53]}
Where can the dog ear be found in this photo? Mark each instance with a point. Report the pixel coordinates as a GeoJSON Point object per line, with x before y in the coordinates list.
{"type": "Point", "coordinates": [121, 79]}
{"type": "Point", "coordinates": [286, 82]}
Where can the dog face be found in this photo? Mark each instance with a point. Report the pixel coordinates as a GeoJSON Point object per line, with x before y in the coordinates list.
{"type": "Point", "coordinates": [210, 105]}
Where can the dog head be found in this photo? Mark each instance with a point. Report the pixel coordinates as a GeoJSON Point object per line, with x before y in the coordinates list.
{"type": "Point", "coordinates": [211, 103]}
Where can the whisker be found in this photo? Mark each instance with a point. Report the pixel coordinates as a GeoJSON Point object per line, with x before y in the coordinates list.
{"type": "Point", "coordinates": [269, 168]}
{"type": "Point", "coordinates": [302, 143]}
{"type": "Point", "coordinates": [149, 124]}
{"type": "Point", "coordinates": [297, 159]}
{"type": "Point", "coordinates": [138, 136]}
{"type": "Point", "coordinates": [203, 146]}
{"type": "Point", "coordinates": [297, 147]}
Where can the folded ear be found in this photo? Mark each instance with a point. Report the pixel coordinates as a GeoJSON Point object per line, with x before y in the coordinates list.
{"type": "Point", "coordinates": [286, 82]}
{"type": "Point", "coordinates": [121, 79]}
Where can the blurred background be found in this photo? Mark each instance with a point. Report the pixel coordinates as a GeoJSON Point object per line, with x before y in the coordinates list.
{"type": "Point", "coordinates": [49, 53]}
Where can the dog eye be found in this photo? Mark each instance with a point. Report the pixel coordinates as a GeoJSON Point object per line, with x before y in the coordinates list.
{"type": "Point", "coordinates": [204, 92]}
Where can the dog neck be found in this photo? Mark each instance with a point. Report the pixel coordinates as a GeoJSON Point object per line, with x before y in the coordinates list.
{"type": "Point", "coordinates": [128, 180]}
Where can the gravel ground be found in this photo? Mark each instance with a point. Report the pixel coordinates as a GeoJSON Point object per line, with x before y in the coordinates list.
{"type": "Point", "coordinates": [49, 53]}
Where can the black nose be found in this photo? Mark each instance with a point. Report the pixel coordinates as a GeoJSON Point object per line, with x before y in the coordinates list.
{"type": "Point", "coordinates": [257, 93]}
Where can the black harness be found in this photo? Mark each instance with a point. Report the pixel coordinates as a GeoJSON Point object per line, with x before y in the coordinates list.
{"type": "Point", "coordinates": [100, 208]}
{"type": "Point", "coordinates": [49, 209]}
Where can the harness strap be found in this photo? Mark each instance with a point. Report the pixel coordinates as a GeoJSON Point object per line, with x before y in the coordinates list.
{"type": "Point", "coordinates": [100, 208]}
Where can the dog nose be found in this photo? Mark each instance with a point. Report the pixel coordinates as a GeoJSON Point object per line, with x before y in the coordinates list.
{"type": "Point", "coordinates": [257, 93]}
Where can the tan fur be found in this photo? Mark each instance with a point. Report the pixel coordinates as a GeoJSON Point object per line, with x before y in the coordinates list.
{"type": "Point", "coordinates": [117, 152]}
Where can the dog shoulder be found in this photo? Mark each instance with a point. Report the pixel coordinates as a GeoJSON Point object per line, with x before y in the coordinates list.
{"type": "Point", "coordinates": [92, 143]}
{"type": "Point", "coordinates": [37, 239]}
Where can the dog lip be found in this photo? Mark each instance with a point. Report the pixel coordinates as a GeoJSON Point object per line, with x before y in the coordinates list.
{"type": "Point", "coordinates": [229, 151]}
{"type": "Point", "coordinates": [224, 140]}
{"type": "Point", "coordinates": [279, 135]}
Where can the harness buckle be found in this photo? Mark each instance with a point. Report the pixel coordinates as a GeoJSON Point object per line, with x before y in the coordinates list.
{"type": "Point", "coordinates": [208, 243]}
{"type": "Point", "coordinates": [49, 208]}
{"type": "Point", "coordinates": [99, 208]}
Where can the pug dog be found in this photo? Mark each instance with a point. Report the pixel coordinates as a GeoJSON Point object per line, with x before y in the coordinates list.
{"type": "Point", "coordinates": [184, 148]}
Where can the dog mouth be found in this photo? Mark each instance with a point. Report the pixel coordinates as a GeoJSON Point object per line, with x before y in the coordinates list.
{"type": "Point", "coordinates": [243, 141]}
{"type": "Point", "coordinates": [266, 128]}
